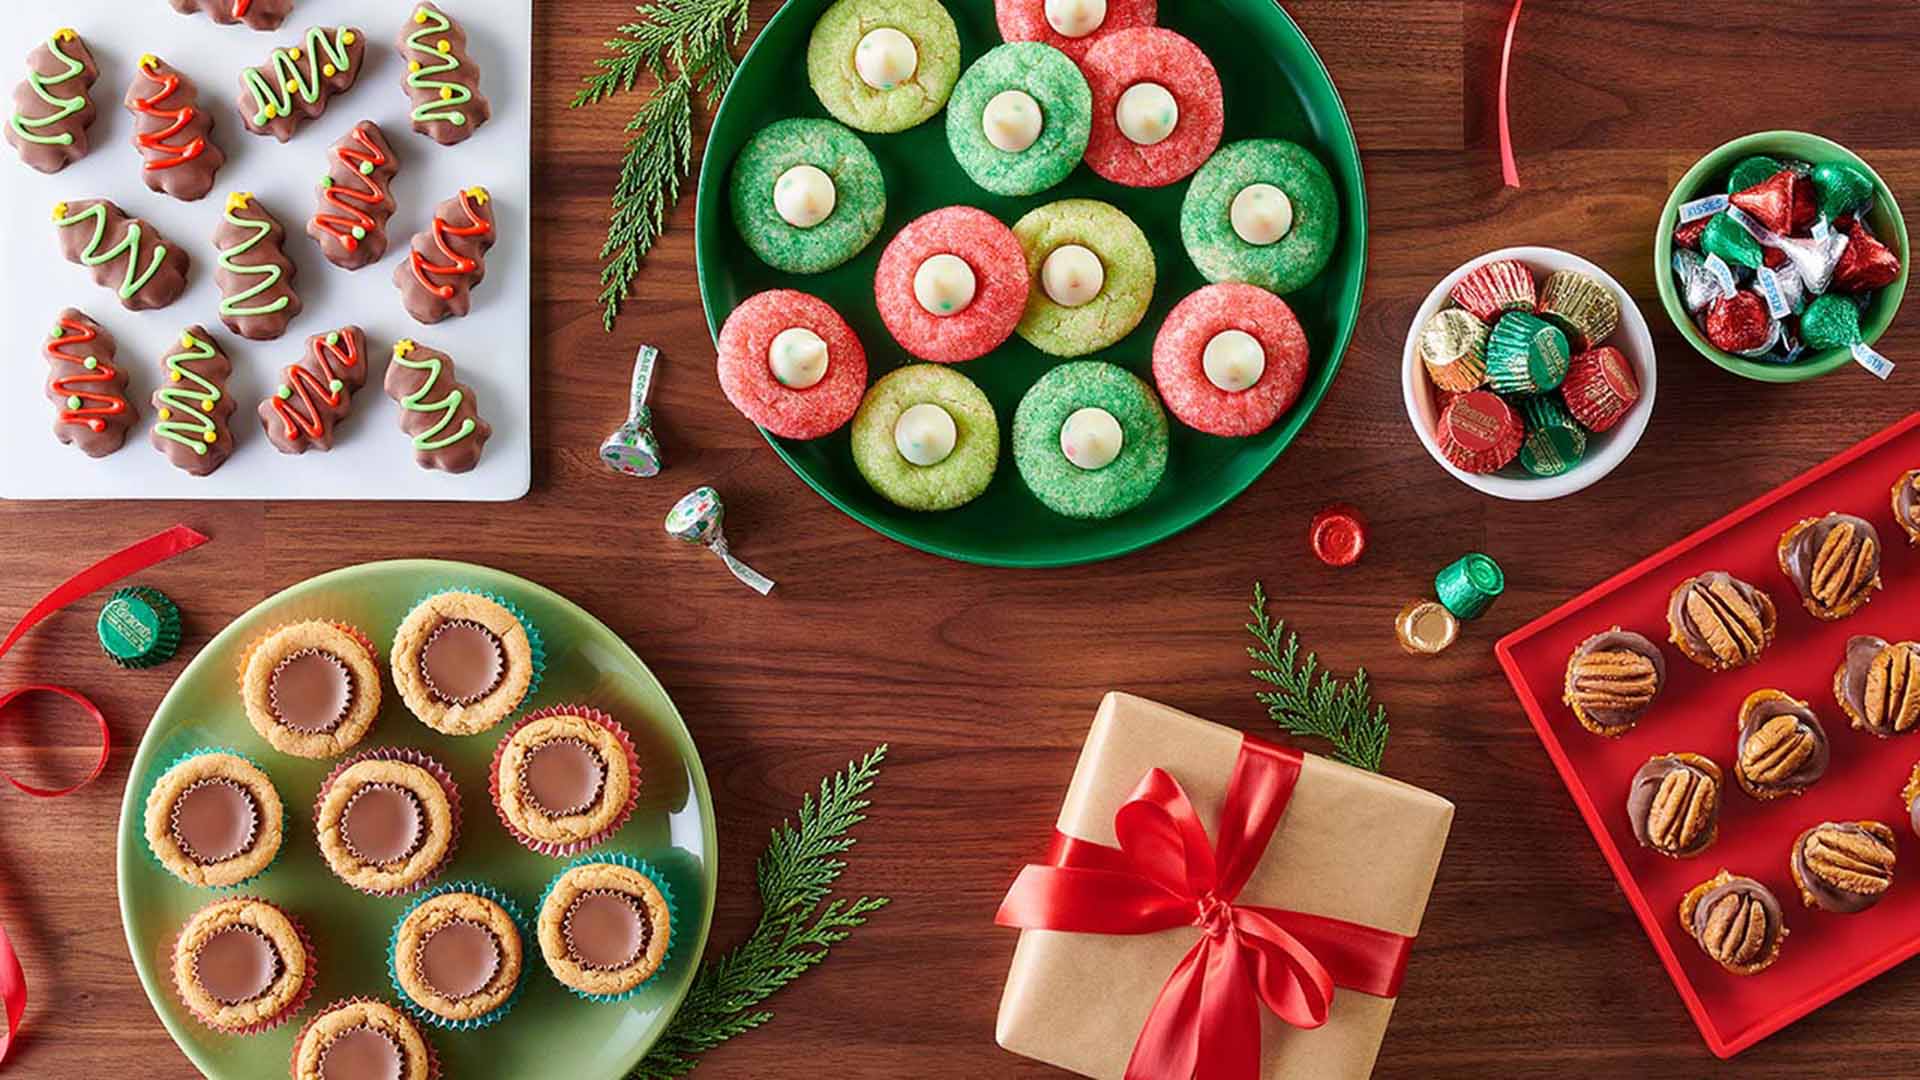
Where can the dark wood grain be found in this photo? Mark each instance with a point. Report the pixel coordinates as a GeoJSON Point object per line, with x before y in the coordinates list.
{"type": "Point", "coordinates": [984, 681]}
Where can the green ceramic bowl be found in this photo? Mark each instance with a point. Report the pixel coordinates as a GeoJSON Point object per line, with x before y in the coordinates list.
{"type": "Point", "coordinates": [1886, 220]}
{"type": "Point", "coordinates": [1274, 84]}
{"type": "Point", "coordinates": [549, 1032]}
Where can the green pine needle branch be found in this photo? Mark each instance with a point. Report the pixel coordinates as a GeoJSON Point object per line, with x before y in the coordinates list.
{"type": "Point", "coordinates": [1307, 701]}
{"type": "Point", "coordinates": [685, 46]}
{"type": "Point", "coordinates": [798, 924]}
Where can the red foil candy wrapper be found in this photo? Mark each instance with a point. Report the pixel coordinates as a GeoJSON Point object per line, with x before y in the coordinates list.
{"type": "Point", "coordinates": [1866, 264]}
{"type": "Point", "coordinates": [1773, 257]}
{"type": "Point", "coordinates": [1338, 535]}
{"type": "Point", "coordinates": [1480, 433]}
{"type": "Point", "coordinates": [1688, 235]}
{"type": "Point", "coordinates": [1601, 388]}
{"type": "Point", "coordinates": [1771, 201]}
{"type": "Point", "coordinates": [1739, 323]}
{"type": "Point", "coordinates": [1495, 289]}
{"type": "Point", "coordinates": [1806, 207]}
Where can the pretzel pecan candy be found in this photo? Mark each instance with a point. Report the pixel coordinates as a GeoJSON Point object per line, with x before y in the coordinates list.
{"type": "Point", "coordinates": [1910, 798]}
{"type": "Point", "coordinates": [1674, 804]}
{"type": "Point", "coordinates": [1835, 563]}
{"type": "Point", "coordinates": [1736, 920]}
{"type": "Point", "coordinates": [1781, 748]}
{"type": "Point", "coordinates": [1906, 504]}
{"type": "Point", "coordinates": [1843, 866]}
{"type": "Point", "coordinates": [1719, 621]}
{"type": "Point", "coordinates": [1612, 679]}
{"type": "Point", "coordinates": [1878, 685]}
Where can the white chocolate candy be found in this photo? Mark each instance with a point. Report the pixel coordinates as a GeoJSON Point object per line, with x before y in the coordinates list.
{"type": "Point", "coordinates": [885, 58]}
{"type": "Point", "coordinates": [1072, 275]}
{"type": "Point", "coordinates": [1147, 113]}
{"type": "Point", "coordinates": [1091, 438]}
{"type": "Point", "coordinates": [944, 284]}
{"type": "Point", "coordinates": [1012, 120]}
{"type": "Point", "coordinates": [804, 196]}
{"type": "Point", "coordinates": [798, 358]}
{"type": "Point", "coordinates": [1262, 214]}
{"type": "Point", "coordinates": [1076, 18]}
{"type": "Point", "coordinates": [1234, 360]}
{"type": "Point", "coordinates": [925, 434]}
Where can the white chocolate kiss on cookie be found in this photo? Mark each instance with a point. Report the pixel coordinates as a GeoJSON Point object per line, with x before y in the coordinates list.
{"type": "Point", "coordinates": [1012, 120]}
{"type": "Point", "coordinates": [885, 58]}
{"type": "Point", "coordinates": [798, 358]}
{"type": "Point", "coordinates": [925, 434]}
{"type": "Point", "coordinates": [1234, 360]}
{"type": "Point", "coordinates": [1072, 275]}
{"type": "Point", "coordinates": [1091, 438]}
{"type": "Point", "coordinates": [1147, 113]}
{"type": "Point", "coordinates": [804, 196]}
{"type": "Point", "coordinates": [1076, 18]}
{"type": "Point", "coordinates": [1261, 214]}
{"type": "Point", "coordinates": [944, 284]}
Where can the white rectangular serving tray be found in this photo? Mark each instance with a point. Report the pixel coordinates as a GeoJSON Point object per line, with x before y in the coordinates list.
{"type": "Point", "coordinates": [371, 458]}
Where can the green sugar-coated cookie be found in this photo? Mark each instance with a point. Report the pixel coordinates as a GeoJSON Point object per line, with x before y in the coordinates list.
{"type": "Point", "coordinates": [1054, 82]}
{"type": "Point", "coordinates": [1220, 252]}
{"type": "Point", "coordinates": [955, 481]}
{"type": "Point", "coordinates": [833, 70]}
{"type": "Point", "coordinates": [1125, 257]}
{"type": "Point", "coordinates": [859, 194]}
{"type": "Point", "coordinates": [1065, 487]}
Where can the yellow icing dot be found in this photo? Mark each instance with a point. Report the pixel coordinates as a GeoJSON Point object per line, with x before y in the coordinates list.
{"type": "Point", "coordinates": [212, 436]}
{"type": "Point", "coordinates": [239, 199]}
{"type": "Point", "coordinates": [173, 376]}
{"type": "Point", "coordinates": [329, 71]}
{"type": "Point", "coordinates": [479, 195]}
{"type": "Point", "coordinates": [348, 38]}
{"type": "Point", "coordinates": [149, 60]}
{"type": "Point", "coordinates": [414, 67]}
{"type": "Point", "coordinates": [446, 93]}
{"type": "Point", "coordinates": [293, 86]}
{"type": "Point", "coordinates": [207, 406]}
{"type": "Point", "coordinates": [59, 211]}
{"type": "Point", "coordinates": [65, 33]}
{"type": "Point", "coordinates": [445, 46]}
{"type": "Point", "coordinates": [403, 347]}
{"type": "Point", "coordinates": [293, 53]}
{"type": "Point", "coordinates": [420, 15]}
{"type": "Point", "coordinates": [270, 111]}
{"type": "Point", "coordinates": [166, 414]}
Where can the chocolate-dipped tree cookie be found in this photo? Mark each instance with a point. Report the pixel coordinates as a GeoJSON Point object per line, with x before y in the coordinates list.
{"type": "Point", "coordinates": [440, 412]}
{"type": "Point", "coordinates": [53, 107]}
{"type": "Point", "coordinates": [448, 259]}
{"type": "Point", "coordinates": [256, 278]}
{"type": "Point", "coordinates": [258, 14]}
{"type": "Point", "coordinates": [126, 254]}
{"type": "Point", "coordinates": [316, 393]}
{"type": "Point", "coordinates": [293, 87]}
{"type": "Point", "coordinates": [88, 390]}
{"type": "Point", "coordinates": [194, 406]}
{"type": "Point", "coordinates": [172, 132]}
{"type": "Point", "coordinates": [356, 198]}
{"type": "Point", "coordinates": [442, 79]}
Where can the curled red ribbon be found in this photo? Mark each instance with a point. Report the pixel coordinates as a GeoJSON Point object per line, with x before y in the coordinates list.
{"type": "Point", "coordinates": [1509, 169]}
{"type": "Point", "coordinates": [131, 560]}
{"type": "Point", "coordinates": [1206, 1021]}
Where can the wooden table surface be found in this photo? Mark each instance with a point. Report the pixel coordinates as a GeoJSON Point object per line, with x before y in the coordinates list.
{"type": "Point", "coordinates": [984, 681]}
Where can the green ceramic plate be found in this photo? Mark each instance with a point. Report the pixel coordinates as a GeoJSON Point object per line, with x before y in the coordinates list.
{"type": "Point", "coordinates": [1275, 86]}
{"type": "Point", "coordinates": [550, 1032]}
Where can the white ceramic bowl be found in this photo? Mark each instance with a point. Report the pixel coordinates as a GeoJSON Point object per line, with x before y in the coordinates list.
{"type": "Point", "coordinates": [1605, 450]}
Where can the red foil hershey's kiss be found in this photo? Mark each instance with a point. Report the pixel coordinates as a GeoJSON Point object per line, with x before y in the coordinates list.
{"type": "Point", "coordinates": [1739, 323]}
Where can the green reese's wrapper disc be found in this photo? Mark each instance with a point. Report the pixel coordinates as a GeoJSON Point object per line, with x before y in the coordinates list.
{"type": "Point", "coordinates": [1555, 441]}
{"type": "Point", "coordinates": [1526, 355]}
{"type": "Point", "coordinates": [139, 628]}
{"type": "Point", "coordinates": [1469, 586]}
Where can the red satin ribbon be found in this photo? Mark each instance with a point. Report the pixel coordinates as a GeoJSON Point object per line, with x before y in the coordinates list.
{"type": "Point", "coordinates": [1205, 1024]}
{"type": "Point", "coordinates": [1509, 169]}
{"type": "Point", "coordinates": [132, 560]}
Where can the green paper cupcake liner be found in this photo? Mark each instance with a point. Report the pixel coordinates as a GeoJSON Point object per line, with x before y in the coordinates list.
{"type": "Point", "coordinates": [659, 880]}
{"type": "Point", "coordinates": [143, 647]}
{"type": "Point", "coordinates": [477, 888]}
{"type": "Point", "coordinates": [146, 842]}
{"type": "Point", "coordinates": [536, 645]}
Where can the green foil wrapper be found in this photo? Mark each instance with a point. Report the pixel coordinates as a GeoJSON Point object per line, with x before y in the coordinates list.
{"type": "Point", "coordinates": [1754, 170]}
{"type": "Point", "coordinates": [139, 628]}
{"type": "Point", "coordinates": [1842, 188]}
{"type": "Point", "coordinates": [1470, 585]}
{"type": "Point", "coordinates": [1555, 442]}
{"type": "Point", "coordinates": [1830, 322]}
{"type": "Point", "coordinates": [1526, 355]}
{"type": "Point", "coordinates": [1731, 241]}
{"type": "Point", "coordinates": [1581, 305]}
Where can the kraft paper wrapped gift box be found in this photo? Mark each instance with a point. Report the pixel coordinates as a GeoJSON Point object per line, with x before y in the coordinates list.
{"type": "Point", "coordinates": [1351, 845]}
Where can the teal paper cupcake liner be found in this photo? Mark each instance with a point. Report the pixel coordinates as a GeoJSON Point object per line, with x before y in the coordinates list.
{"type": "Point", "coordinates": [659, 880]}
{"type": "Point", "coordinates": [536, 645]}
{"type": "Point", "coordinates": [477, 888]}
{"type": "Point", "coordinates": [146, 842]}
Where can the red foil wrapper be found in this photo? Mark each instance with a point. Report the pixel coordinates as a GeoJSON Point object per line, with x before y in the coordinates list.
{"type": "Point", "coordinates": [1739, 323]}
{"type": "Point", "coordinates": [1806, 207]}
{"type": "Point", "coordinates": [1601, 388]}
{"type": "Point", "coordinates": [1338, 535]}
{"type": "Point", "coordinates": [1771, 201]}
{"type": "Point", "coordinates": [1479, 432]}
{"type": "Point", "coordinates": [1866, 264]}
{"type": "Point", "coordinates": [1773, 257]}
{"type": "Point", "coordinates": [1497, 288]}
{"type": "Point", "coordinates": [1688, 235]}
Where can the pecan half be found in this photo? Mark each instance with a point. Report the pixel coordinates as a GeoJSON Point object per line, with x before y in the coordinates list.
{"type": "Point", "coordinates": [1777, 750]}
{"type": "Point", "coordinates": [1893, 690]}
{"type": "Point", "coordinates": [1614, 680]}
{"type": "Point", "coordinates": [1853, 859]}
{"type": "Point", "coordinates": [1683, 809]}
{"type": "Point", "coordinates": [1731, 624]}
{"type": "Point", "coordinates": [1736, 930]}
{"type": "Point", "coordinates": [1845, 566]}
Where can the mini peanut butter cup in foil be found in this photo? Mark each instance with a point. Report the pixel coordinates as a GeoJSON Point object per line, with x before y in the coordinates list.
{"type": "Point", "coordinates": [362, 1053]}
{"type": "Point", "coordinates": [383, 824]}
{"type": "Point", "coordinates": [237, 964]}
{"type": "Point", "coordinates": [564, 776]}
{"type": "Point", "coordinates": [310, 691]}
{"type": "Point", "coordinates": [214, 820]}
{"type": "Point", "coordinates": [459, 959]}
{"type": "Point", "coordinates": [606, 930]}
{"type": "Point", "coordinates": [462, 662]}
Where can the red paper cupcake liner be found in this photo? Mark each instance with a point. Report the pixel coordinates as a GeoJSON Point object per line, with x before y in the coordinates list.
{"type": "Point", "coordinates": [410, 756]}
{"type": "Point", "coordinates": [561, 851]}
{"type": "Point", "coordinates": [294, 1004]}
{"type": "Point", "coordinates": [293, 1056]}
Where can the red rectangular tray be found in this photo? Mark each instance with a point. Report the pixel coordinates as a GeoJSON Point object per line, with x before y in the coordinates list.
{"type": "Point", "coordinates": [1824, 955]}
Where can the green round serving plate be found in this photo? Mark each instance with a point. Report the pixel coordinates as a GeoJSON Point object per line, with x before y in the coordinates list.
{"type": "Point", "coordinates": [550, 1032]}
{"type": "Point", "coordinates": [1275, 86]}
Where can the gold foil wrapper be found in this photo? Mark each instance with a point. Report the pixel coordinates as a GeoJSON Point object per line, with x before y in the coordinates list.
{"type": "Point", "coordinates": [1582, 306]}
{"type": "Point", "coordinates": [1453, 346]}
{"type": "Point", "coordinates": [1426, 627]}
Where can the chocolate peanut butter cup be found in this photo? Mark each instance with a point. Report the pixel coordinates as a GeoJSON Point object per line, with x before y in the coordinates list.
{"type": "Point", "coordinates": [1843, 866]}
{"type": "Point", "coordinates": [1674, 804]}
{"type": "Point", "coordinates": [1612, 680]}
{"type": "Point", "coordinates": [311, 689]}
{"type": "Point", "coordinates": [383, 824]}
{"type": "Point", "coordinates": [214, 819]}
{"type": "Point", "coordinates": [236, 965]}
{"type": "Point", "coordinates": [1878, 685]}
{"type": "Point", "coordinates": [605, 930]}
{"type": "Point", "coordinates": [1719, 621]}
{"type": "Point", "coordinates": [563, 776]}
{"type": "Point", "coordinates": [1780, 749]}
{"type": "Point", "coordinates": [1737, 922]}
{"type": "Point", "coordinates": [1834, 563]}
{"type": "Point", "coordinates": [362, 1053]}
{"type": "Point", "coordinates": [459, 959]}
{"type": "Point", "coordinates": [461, 662]}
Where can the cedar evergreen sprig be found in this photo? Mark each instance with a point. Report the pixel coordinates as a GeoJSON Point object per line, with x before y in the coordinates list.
{"type": "Point", "coordinates": [1308, 701]}
{"type": "Point", "coordinates": [686, 47]}
{"type": "Point", "coordinates": [796, 874]}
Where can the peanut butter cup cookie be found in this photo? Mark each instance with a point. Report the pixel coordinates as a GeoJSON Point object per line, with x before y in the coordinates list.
{"type": "Point", "coordinates": [1834, 562]}
{"type": "Point", "coordinates": [1843, 866]}
{"type": "Point", "coordinates": [361, 1039]}
{"type": "Point", "coordinates": [214, 820]}
{"type": "Point", "coordinates": [312, 688]}
{"type": "Point", "coordinates": [565, 779]}
{"type": "Point", "coordinates": [606, 927]}
{"type": "Point", "coordinates": [1612, 679]}
{"type": "Point", "coordinates": [1781, 748]}
{"type": "Point", "coordinates": [388, 821]}
{"type": "Point", "coordinates": [1878, 685]}
{"type": "Point", "coordinates": [242, 966]}
{"type": "Point", "coordinates": [1737, 922]}
{"type": "Point", "coordinates": [465, 661]}
{"type": "Point", "coordinates": [1719, 621]}
{"type": "Point", "coordinates": [1674, 804]}
{"type": "Point", "coordinates": [456, 956]}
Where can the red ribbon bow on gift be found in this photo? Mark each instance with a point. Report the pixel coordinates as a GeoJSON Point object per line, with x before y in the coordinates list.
{"type": "Point", "coordinates": [1205, 1024]}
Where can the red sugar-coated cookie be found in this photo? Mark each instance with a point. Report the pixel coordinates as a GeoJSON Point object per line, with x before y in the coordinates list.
{"type": "Point", "coordinates": [1151, 54]}
{"type": "Point", "coordinates": [999, 268]}
{"type": "Point", "coordinates": [1026, 20]}
{"type": "Point", "coordinates": [1180, 348]}
{"type": "Point", "coordinates": [747, 378]}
